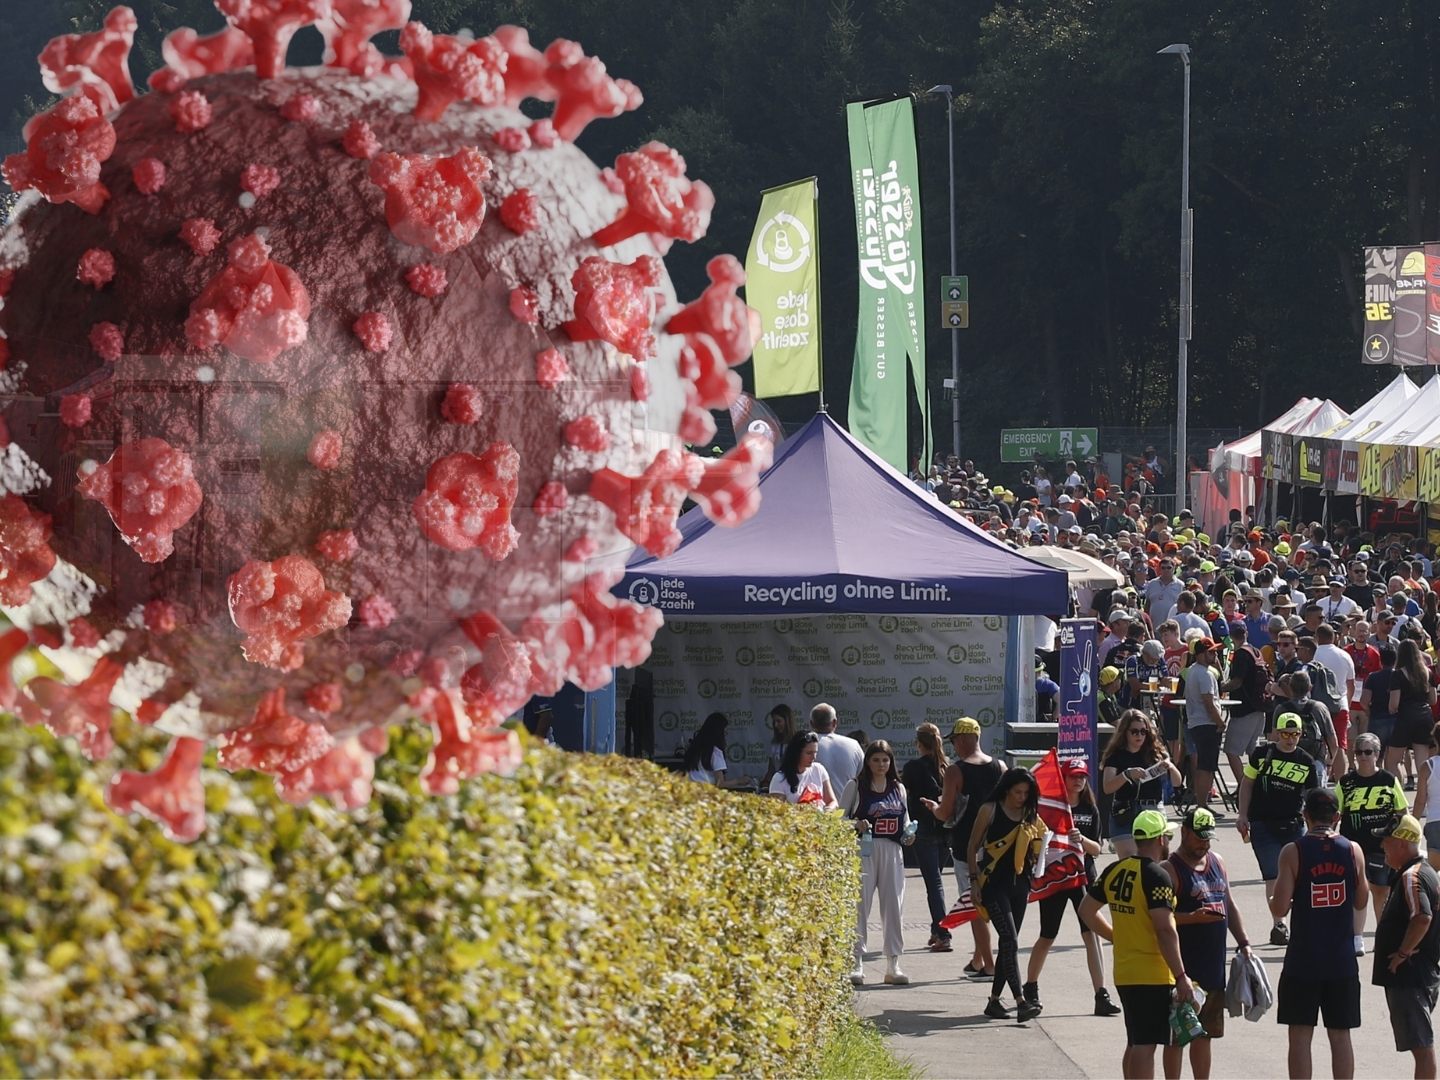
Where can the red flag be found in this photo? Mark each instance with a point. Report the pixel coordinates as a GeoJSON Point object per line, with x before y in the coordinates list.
{"type": "Point", "coordinates": [1062, 865]}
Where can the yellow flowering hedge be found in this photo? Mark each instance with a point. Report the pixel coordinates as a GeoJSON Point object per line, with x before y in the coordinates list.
{"type": "Point", "coordinates": [588, 916]}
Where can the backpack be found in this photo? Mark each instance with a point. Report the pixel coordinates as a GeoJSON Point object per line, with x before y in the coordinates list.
{"type": "Point", "coordinates": [1323, 687]}
{"type": "Point", "coordinates": [1312, 736]}
{"type": "Point", "coordinates": [1260, 676]}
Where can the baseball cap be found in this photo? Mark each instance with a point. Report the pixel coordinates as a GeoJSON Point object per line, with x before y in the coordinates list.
{"type": "Point", "coordinates": [1149, 824]}
{"type": "Point", "coordinates": [1118, 613]}
{"type": "Point", "coordinates": [1200, 821]}
{"type": "Point", "coordinates": [1282, 548]}
{"type": "Point", "coordinates": [966, 726]}
{"type": "Point", "coordinates": [1108, 674]}
{"type": "Point", "coordinates": [1337, 583]}
{"type": "Point", "coordinates": [1064, 500]}
{"type": "Point", "coordinates": [1207, 567]}
{"type": "Point", "coordinates": [1401, 827]}
{"type": "Point", "coordinates": [1152, 649]}
{"type": "Point", "coordinates": [1076, 530]}
{"type": "Point", "coordinates": [1074, 767]}
{"type": "Point", "coordinates": [1288, 721]}
{"type": "Point", "coordinates": [1201, 645]}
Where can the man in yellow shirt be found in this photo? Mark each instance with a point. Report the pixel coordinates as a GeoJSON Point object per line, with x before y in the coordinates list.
{"type": "Point", "coordinates": [1149, 970]}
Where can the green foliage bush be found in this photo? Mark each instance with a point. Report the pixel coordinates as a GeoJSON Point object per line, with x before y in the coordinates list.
{"type": "Point", "coordinates": [588, 916]}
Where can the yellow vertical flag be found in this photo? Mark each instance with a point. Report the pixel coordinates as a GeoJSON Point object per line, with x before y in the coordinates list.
{"type": "Point", "coordinates": [782, 283]}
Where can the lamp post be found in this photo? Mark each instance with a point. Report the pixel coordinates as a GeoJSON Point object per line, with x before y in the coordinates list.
{"type": "Point", "coordinates": [1187, 247]}
{"type": "Point", "coordinates": [949, 92]}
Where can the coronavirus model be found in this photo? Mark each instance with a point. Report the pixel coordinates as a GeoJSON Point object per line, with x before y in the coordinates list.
{"type": "Point", "coordinates": [336, 397]}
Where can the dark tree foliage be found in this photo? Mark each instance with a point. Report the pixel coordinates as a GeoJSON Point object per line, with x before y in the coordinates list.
{"type": "Point", "coordinates": [1314, 133]}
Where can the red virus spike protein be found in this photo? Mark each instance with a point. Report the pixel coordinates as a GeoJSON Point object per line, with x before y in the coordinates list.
{"type": "Point", "coordinates": [301, 443]}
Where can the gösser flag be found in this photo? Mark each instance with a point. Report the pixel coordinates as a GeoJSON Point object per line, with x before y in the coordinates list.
{"type": "Point", "coordinates": [885, 177]}
{"type": "Point", "coordinates": [782, 284]}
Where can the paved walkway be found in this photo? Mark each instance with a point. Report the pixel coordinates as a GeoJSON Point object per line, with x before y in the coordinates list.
{"type": "Point", "coordinates": [937, 1021]}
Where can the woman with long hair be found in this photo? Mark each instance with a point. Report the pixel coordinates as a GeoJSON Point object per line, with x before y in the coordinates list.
{"type": "Point", "coordinates": [1412, 703]}
{"type": "Point", "coordinates": [1004, 847]}
{"type": "Point", "coordinates": [1086, 815]}
{"type": "Point", "coordinates": [875, 801]}
{"type": "Point", "coordinates": [782, 730]}
{"type": "Point", "coordinates": [924, 778]}
{"type": "Point", "coordinates": [802, 779]}
{"type": "Point", "coordinates": [705, 753]}
{"type": "Point", "coordinates": [1131, 777]}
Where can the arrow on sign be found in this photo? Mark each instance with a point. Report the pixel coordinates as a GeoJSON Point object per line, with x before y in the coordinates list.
{"type": "Point", "coordinates": [1083, 444]}
{"type": "Point", "coordinates": [954, 320]}
{"type": "Point", "coordinates": [954, 292]}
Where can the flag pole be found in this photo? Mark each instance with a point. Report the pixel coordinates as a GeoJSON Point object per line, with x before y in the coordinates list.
{"type": "Point", "coordinates": [819, 289]}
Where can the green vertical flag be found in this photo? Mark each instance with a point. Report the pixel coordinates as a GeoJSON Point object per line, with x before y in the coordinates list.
{"type": "Point", "coordinates": [782, 283]}
{"type": "Point", "coordinates": [885, 177]}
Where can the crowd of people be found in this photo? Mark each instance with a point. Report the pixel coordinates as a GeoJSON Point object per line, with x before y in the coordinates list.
{"type": "Point", "coordinates": [1300, 659]}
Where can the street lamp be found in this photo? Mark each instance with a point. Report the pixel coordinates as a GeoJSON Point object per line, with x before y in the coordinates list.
{"type": "Point", "coordinates": [949, 92]}
{"type": "Point", "coordinates": [1187, 247]}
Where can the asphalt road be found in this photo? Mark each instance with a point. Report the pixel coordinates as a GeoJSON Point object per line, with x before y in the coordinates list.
{"type": "Point", "coordinates": [937, 1021]}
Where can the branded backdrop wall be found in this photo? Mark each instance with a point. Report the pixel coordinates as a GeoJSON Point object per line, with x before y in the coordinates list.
{"type": "Point", "coordinates": [885, 674]}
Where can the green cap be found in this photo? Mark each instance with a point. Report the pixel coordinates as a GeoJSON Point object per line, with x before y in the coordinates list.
{"type": "Point", "coordinates": [1149, 824]}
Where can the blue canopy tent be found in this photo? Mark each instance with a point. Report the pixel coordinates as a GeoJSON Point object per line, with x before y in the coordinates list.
{"type": "Point", "coordinates": [840, 531]}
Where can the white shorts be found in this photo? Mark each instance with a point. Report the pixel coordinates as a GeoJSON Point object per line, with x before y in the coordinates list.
{"type": "Point", "coordinates": [962, 877]}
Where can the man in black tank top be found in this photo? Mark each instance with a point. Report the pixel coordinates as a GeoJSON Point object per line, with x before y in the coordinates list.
{"type": "Point", "coordinates": [969, 782]}
{"type": "Point", "coordinates": [1321, 884]}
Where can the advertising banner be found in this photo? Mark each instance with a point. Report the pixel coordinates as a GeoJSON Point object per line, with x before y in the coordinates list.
{"type": "Point", "coordinates": [1427, 483]}
{"type": "Point", "coordinates": [1079, 684]}
{"type": "Point", "coordinates": [782, 284]}
{"type": "Point", "coordinates": [1389, 472]}
{"type": "Point", "coordinates": [884, 674]}
{"type": "Point", "coordinates": [1277, 456]}
{"type": "Point", "coordinates": [1379, 345]}
{"type": "Point", "coordinates": [885, 180]}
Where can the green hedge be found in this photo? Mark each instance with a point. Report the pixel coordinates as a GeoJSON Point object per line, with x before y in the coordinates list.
{"type": "Point", "coordinates": [590, 915]}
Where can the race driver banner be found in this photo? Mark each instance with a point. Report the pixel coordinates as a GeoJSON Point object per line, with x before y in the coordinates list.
{"type": "Point", "coordinates": [885, 675]}
{"type": "Point", "coordinates": [1402, 305]}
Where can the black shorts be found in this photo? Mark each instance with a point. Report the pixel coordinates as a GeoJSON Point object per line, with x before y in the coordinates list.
{"type": "Point", "coordinates": [1376, 871]}
{"type": "Point", "coordinates": [1410, 1016]}
{"type": "Point", "coordinates": [1299, 1002]}
{"type": "Point", "coordinates": [1170, 723]}
{"type": "Point", "coordinates": [1052, 912]}
{"type": "Point", "coordinates": [1413, 726]}
{"type": "Point", "coordinates": [1205, 741]}
{"type": "Point", "coordinates": [1147, 1014]}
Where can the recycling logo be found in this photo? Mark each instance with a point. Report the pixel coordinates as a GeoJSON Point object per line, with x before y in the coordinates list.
{"type": "Point", "coordinates": [850, 656]}
{"type": "Point", "coordinates": [955, 654]}
{"type": "Point", "coordinates": [669, 721]}
{"type": "Point", "coordinates": [889, 624]}
{"type": "Point", "coordinates": [993, 622]}
{"type": "Point", "coordinates": [919, 687]}
{"type": "Point", "coordinates": [745, 656]}
{"type": "Point", "coordinates": [880, 719]}
{"type": "Point", "coordinates": [812, 688]}
{"type": "Point", "coordinates": [706, 688]}
{"type": "Point", "coordinates": [644, 591]}
{"type": "Point", "coordinates": [783, 244]}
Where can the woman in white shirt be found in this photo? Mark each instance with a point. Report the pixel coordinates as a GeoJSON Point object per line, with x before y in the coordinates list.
{"type": "Point", "coordinates": [801, 778]}
{"type": "Point", "coordinates": [705, 754]}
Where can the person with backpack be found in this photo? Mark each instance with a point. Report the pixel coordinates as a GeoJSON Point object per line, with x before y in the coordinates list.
{"type": "Point", "coordinates": [1317, 732]}
{"type": "Point", "coordinates": [1248, 678]}
{"type": "Point", "coordinates": [1272, 795]}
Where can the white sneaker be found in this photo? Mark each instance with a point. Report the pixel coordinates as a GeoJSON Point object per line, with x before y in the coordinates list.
{"type": "Point", "coordinates": [1359, 945]}
{"type": "Point", "coordinates": [893, 975]}
{"type": "Point", "coordinates": [857, 975]}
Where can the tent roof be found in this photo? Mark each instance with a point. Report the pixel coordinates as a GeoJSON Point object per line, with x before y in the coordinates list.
{"type": "Point", "coordinates": [1325, 415]}
{"type": "Point", "coordinates": [1383, 407]}
{"type": "Point", "coordinates": [1083, 570]}
{"type": "Point", "coordinates": [839, 530]}
{"type": "Point", "coordinates": [1414, 425]}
